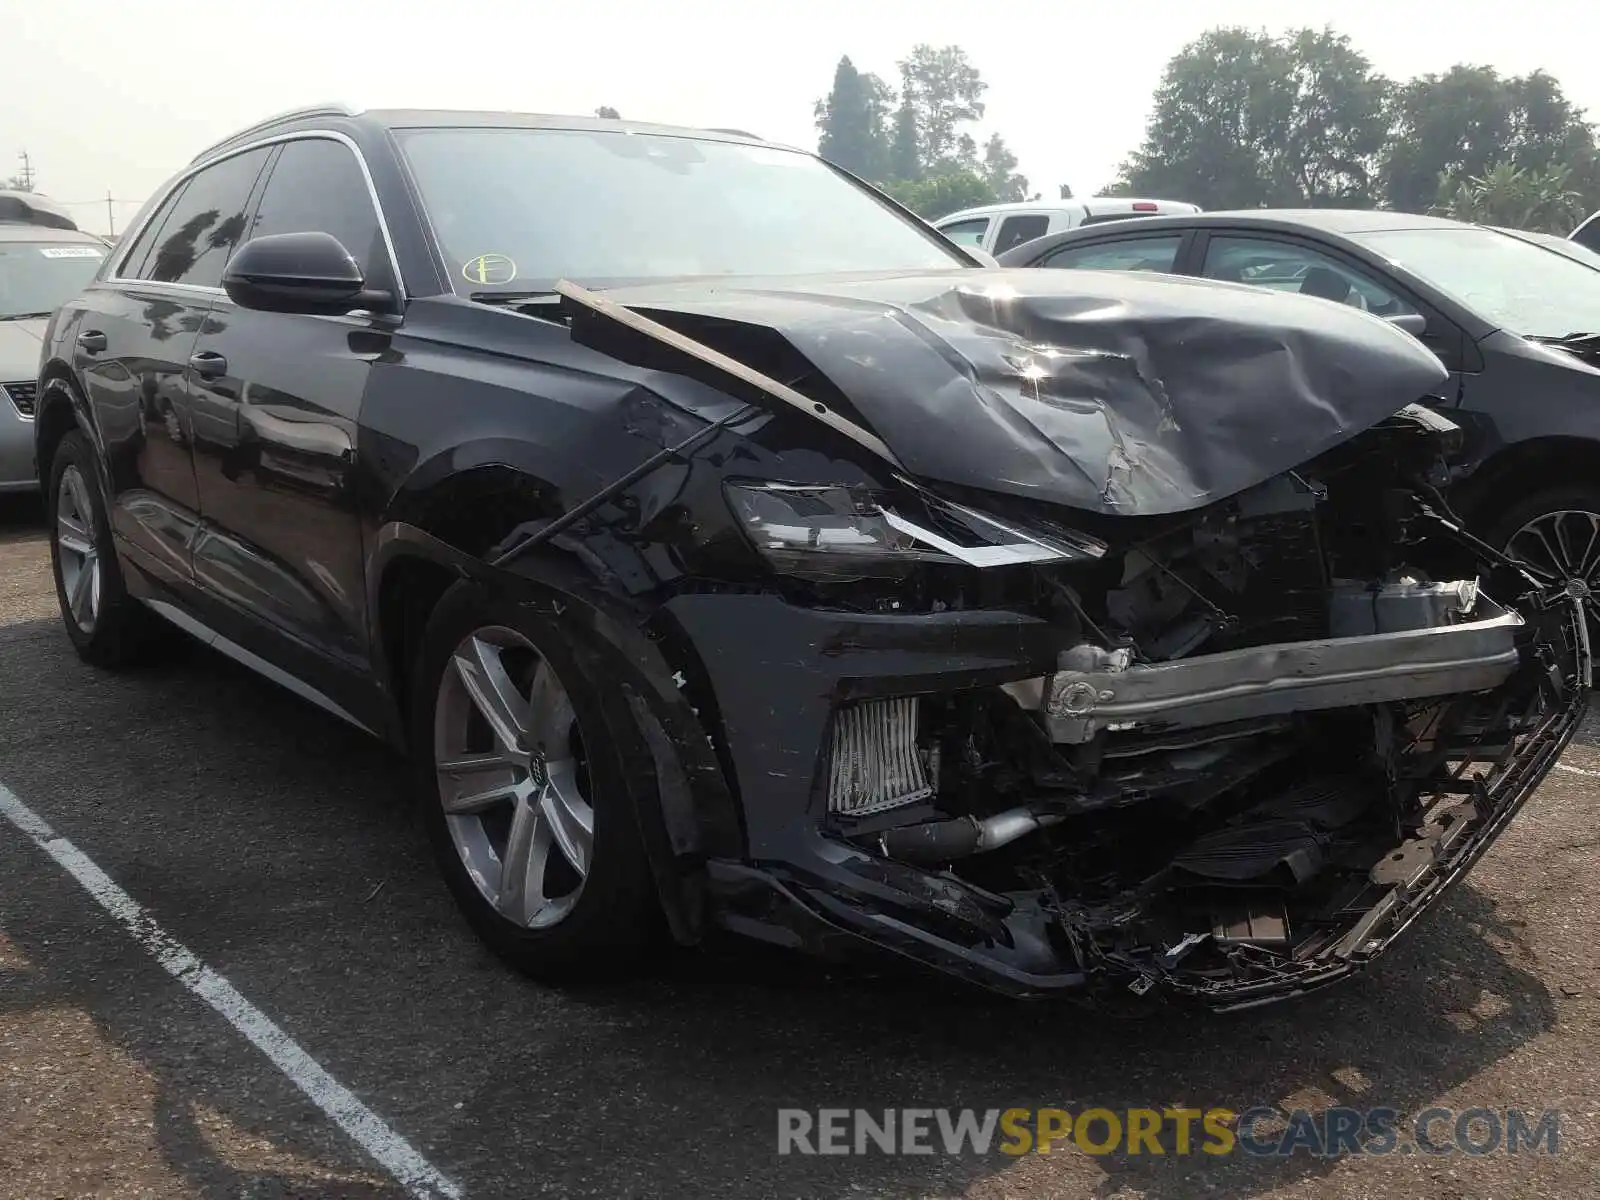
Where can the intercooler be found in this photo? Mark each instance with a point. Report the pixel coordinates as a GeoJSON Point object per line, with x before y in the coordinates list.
{"type": "Point", "coordinates": [873, 763]}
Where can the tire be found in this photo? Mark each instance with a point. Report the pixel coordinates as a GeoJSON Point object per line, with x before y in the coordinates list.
{"type": "Point", "coordinates": [1568, 516]}
{"type": "Point", "coordinates": [108, 627]}
{"type": "Point", "coordinates": [611, 925]}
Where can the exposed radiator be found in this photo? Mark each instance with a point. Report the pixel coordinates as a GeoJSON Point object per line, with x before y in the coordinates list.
{"type": "Point", "coordinates": [873, 762]}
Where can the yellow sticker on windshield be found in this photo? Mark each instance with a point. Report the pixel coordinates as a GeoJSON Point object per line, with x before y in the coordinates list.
{"type": "Point", "coordinates": [489, 268]}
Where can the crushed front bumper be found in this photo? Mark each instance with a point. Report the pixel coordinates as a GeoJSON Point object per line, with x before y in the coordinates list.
{"type": "Point", "coordinates": [798, 887]}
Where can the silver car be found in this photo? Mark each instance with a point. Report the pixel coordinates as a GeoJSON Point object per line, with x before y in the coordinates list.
{"type": "Point", "coordinates": [41, 268]}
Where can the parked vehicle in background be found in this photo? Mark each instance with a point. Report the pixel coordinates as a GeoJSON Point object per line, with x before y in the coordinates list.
{"type": "Point", "coordinates": [31, 208]}
{"type": "Point", "coordinates": [44, 262]}
{"type": "Point", "coordinates": [725, 547]}
{"type": "Point", "coordinates": [1518, 328]}
{"type": "Point", "coordinates": [1588, 234]}
{"type": "Point", "coordinates": [1576, 251]}
{"type": "Point", "coordinates": [996, 228]}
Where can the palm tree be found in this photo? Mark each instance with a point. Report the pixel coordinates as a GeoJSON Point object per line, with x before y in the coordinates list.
{"type": "Point", "coordinates": [1517, 197]}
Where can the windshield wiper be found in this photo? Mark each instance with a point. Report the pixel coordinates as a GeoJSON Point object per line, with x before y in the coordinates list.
{"type": "Point", "coordinates": [24, 316]}
{"type": "Point", "coordinates": [1567, 339]}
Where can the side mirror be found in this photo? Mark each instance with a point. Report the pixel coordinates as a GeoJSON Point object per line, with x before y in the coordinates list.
{"type": "Point", "coordinates": [1413, 323]}
{"type": "Point", "coordinates": [299, 273]}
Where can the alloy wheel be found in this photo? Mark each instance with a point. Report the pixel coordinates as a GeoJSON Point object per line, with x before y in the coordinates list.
{"type": "Point", "coordinates": [1562, 551]}
{"type": "Point", "coordinates": [78, 556]}
{"type": "Point", "coordinates": [513, 778]}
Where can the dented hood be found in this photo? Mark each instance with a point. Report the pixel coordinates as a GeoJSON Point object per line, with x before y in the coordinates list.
{"type": "Point", "coordinates": [1116, 393]}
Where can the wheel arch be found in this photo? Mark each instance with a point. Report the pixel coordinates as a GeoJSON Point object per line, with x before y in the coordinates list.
{"type": "Point", "coordinates": [433, 538]}
{"type": "Point", "coordinates": [1535, 465]}
{"type": "Point", "coordinates": [61, 410]}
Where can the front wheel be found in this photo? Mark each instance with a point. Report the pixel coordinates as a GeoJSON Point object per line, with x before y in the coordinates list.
{"type": "Point", "coordinates": [1555, 534]}
{"type": "Point", "coordinates": [523, 792]}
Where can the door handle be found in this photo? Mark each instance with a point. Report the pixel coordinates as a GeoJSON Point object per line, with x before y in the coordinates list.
{"type": "Point", "coordinates": [208, 364]}
{"type": "Point", "coordinates": [91, 341]}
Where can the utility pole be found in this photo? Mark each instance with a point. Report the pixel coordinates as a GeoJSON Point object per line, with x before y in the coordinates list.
{"type": "Point", "coordinates": [26, 177]}
{"type": "Point", "coordinates": [111, 219]}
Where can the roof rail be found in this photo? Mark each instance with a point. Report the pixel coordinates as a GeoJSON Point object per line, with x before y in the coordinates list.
{"type": "Point", "coordinates": [294, 114]}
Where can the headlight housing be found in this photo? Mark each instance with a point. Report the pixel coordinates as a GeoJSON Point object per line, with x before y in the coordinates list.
{"type": "Point", "coordinates": [838, 533]}
{"type": "Point", "coordinates": [825, 532]}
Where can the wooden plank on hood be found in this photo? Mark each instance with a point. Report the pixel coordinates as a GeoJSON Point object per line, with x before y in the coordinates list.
{"type": "Point", "coordinates": [814, 409]}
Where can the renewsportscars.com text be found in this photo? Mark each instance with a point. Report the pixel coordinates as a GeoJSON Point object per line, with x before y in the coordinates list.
{"type": "Point", "coordinates": [1259, 1131]}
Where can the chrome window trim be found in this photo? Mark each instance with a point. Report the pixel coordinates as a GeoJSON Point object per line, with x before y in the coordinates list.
{"type": "Point", "coordinates": [299, 135]}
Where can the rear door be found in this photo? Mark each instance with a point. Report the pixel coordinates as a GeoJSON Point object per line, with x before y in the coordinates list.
{"type": "Point", "coordinates": [281, 551]}
{"type": "Point", "coordinates": [132, 341]}
{"type": "Point", "coordinates": [1016, 228]}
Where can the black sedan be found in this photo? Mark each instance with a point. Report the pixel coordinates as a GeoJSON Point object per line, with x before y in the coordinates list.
{"type": "Point", "coordinates": [1517, 326]}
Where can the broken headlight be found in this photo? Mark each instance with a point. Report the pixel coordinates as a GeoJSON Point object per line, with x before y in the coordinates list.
{"type": "Point", "coordinates": [836, 532]}
{"type": "Point", "coordinates": [825, 532]}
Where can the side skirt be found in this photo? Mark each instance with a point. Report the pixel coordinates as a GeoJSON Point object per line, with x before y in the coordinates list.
{"type": "Point", "coordinates": [210, 637]}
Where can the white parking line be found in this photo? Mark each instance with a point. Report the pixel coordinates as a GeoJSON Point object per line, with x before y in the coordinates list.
{"type": "Point", "coordinates": [1577, 771]}
{"type": "Point", "coordinates": [413, 1172]}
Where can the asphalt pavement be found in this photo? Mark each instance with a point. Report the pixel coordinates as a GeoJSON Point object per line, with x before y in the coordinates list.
{"type": "Point", "coordinates": [278, 848]}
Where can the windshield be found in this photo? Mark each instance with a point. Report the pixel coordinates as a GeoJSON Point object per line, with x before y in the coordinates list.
{"type": "Point", "coordinates": [517, 209]}
{"type": "Point", "coordinates": [36, 278]}
{"type": "Point", "coordinates": [1517, 285]}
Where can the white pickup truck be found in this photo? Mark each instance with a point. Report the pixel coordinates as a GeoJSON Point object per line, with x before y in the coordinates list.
{"type": "Point", "coordinates": [996, 228]}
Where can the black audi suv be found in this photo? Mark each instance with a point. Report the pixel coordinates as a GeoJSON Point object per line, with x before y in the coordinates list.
{"type": "Point", "coordinates": [727, 549]}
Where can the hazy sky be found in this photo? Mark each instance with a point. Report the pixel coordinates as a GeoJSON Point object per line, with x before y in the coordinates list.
{"type": "Point", "coordinates": [118, 94]}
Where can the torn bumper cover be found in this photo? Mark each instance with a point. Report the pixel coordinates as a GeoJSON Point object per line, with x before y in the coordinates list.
{"type": "Point", "coordinates": [1505, 711]}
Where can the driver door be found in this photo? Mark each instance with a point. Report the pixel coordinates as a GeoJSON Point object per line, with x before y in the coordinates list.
{"type": "Point", "coordinates": [281, 556]}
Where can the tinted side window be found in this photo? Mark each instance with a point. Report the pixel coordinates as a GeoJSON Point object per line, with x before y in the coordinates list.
{"type": "Point", "coordinates": [1134, 254]}
{"type": "Point", "coordinates": [1016, 230]}
{"type": "Point", "coordinates": [966, 233]}
{"type": "Point", "coordinates": [140, 250]}
{"type": "Point", "coordinates": [1291, 267]}
{"type": "Point", "coordinates": [204, 225]}
{"type": "Point", "coordinates": [316, 186]}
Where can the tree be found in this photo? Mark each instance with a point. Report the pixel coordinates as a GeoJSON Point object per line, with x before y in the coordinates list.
{"type": "Point", "coordinates": [942, 91]}
{"type": "Point", "coordinates": [905, 154]}
{"type": "Point", "coordinates": [915, 143]}
{"type": "Point", "coordinates": [1517, 197]}
{"type": "Point", "coordinates": [1064, 191]}
{"type": "Point", "coordinates": [943, 194]}
{"type": "Point", "coordinates": [1000, 170]}
{"type": "Point", "coordinates": [1338, 121]}
{"type": "Point", "coordinates": [609, 113]}
{"type": "Point", "coordinates": [853, 121]}
{"type": "Point", "coordinates": [1464, 123]}
{"type": "Point", "coordinates": [1244, 119]}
